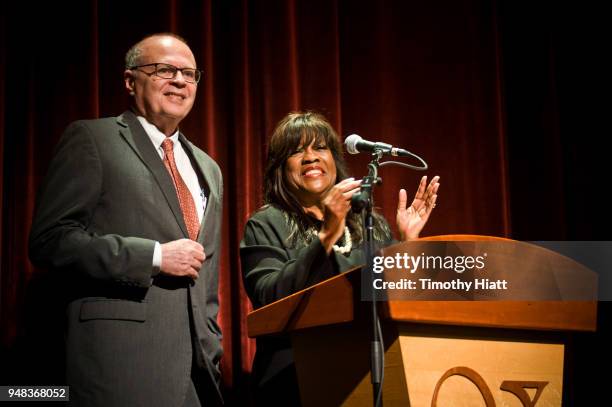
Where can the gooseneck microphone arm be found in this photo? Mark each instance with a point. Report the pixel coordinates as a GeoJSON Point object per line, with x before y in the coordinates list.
{"type": "Point", "coordinates": [355, 144]}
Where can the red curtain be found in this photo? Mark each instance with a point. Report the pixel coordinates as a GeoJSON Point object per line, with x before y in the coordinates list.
{"type": "Point", "coordinates": [443, 79]}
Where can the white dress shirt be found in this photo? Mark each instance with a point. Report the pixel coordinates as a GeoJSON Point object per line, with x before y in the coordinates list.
{"type": "Point", "coordinates": [183, 164]}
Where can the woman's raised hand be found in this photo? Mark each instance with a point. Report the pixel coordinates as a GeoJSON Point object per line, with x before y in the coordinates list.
{"type": "Point", "coordinates": [412, 219]}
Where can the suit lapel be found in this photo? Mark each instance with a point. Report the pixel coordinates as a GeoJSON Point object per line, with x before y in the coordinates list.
{"type": "Point", "coordinates": [137, 138]}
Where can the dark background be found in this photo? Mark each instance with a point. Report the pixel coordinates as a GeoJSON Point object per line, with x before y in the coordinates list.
{"type": "Point", "coordinates": [502, 98]}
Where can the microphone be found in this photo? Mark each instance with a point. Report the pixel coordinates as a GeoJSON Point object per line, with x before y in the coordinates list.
{"type": "Point", "coordinates": [355, 145]}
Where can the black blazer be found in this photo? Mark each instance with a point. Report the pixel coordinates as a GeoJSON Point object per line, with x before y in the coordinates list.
{"type": "Point", "coordinates": [105, 201]}
{"type": "Point", "coordinates": [273, 270]}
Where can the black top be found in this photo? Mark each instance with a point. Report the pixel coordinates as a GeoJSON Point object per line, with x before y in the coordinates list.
{"type": "Point", "coordinates": [272, 270]}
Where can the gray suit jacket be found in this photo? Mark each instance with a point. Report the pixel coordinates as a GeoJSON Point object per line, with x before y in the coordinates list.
{"type": "Point", "coordinates": [131, 334]}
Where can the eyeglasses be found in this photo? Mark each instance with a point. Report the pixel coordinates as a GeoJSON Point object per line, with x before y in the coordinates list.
{"type": "Point", "coordinates": [167, 71]}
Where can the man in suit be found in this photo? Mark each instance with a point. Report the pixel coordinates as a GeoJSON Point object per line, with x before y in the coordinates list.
{"type": "Point", "coordinates": [129, 217]}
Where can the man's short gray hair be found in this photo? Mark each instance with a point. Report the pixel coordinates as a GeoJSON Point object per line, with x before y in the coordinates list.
{"type": "Point", "coordinates": [132, 57]}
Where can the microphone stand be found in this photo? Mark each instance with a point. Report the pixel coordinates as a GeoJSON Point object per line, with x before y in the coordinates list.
{"type": "Point", "coordinates": [359, 202]}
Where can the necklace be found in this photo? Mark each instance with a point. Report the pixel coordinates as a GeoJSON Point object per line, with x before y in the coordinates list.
{"type": "Point", "coordinates": [348, 243]}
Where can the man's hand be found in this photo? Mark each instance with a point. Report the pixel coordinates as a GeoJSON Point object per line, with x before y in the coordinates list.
{"type": "Point", "coordinates": [182, 257]}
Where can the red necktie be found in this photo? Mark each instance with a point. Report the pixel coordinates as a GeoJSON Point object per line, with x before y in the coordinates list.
{"type": "Point", "coordinates": [190, 215]}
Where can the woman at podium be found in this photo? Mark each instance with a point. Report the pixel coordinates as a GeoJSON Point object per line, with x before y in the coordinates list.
{"type": "Point", "coordinates": [306, 233]}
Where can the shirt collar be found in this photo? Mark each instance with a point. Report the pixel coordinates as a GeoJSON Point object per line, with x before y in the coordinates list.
{"type": "Point", "coordinates": [156, 136]}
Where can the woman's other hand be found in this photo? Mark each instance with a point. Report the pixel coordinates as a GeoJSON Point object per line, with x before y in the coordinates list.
{"type": "Point", "coordinates": [336, 205]}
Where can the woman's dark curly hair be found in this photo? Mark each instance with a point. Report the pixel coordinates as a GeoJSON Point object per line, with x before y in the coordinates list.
{"type": "Point", "coordinates": [294, 130]}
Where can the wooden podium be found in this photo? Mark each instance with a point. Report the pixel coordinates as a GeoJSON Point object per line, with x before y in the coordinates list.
{"type": "Point", "coordinates": [444, 353]}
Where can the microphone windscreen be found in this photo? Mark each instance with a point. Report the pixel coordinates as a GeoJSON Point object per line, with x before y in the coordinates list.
{"type": "Point", "coordinates": [351, 143]}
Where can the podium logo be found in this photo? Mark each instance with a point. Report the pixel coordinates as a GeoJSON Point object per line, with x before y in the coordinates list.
{"type": "Point", "coordinates": [516, 387]}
